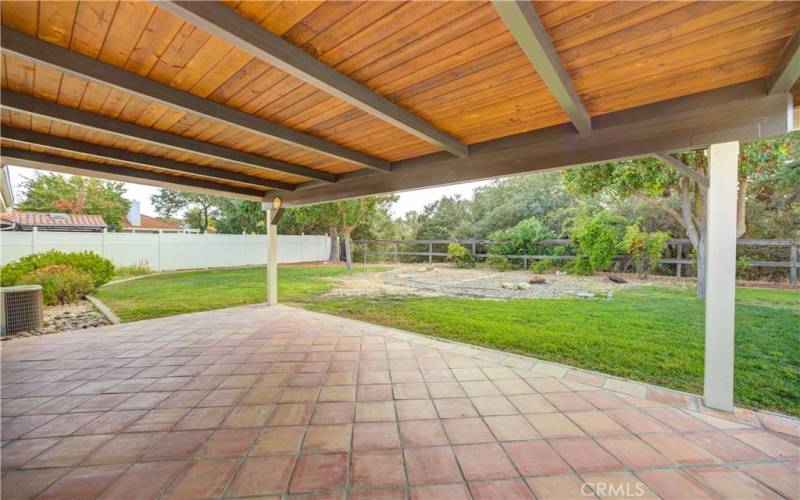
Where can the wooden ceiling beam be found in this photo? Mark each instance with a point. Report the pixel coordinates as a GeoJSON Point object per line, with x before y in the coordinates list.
{"type": "Point", "coordinates": [73, 146]}
{"type": "Point", "coordinates": [224, 23]}
{"type": "Point", "coordinates": [524, 24]}
{"type": "Point", "coordinates": [787, 69]}
{"type": "Point", "coordinates": [740, 112]}
{"type": "Point", "coordinates": [53, 111]}
{"type": "Point", "coordinates": [51, 55]}
{"type": "Point", "coordinates": [44, 161]}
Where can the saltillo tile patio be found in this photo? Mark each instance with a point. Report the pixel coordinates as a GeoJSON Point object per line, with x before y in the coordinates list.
{"type": "Point", "coordinates": [277, 401]}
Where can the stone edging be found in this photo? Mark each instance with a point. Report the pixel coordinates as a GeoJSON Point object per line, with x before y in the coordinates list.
{"type": "Point", "coordinates": [104, 309]}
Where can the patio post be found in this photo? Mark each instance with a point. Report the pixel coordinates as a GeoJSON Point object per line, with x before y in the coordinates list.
{"type": "Point", "coordinates": [272, 258]}
{"type": "Point", "coordinates": [721, 275]}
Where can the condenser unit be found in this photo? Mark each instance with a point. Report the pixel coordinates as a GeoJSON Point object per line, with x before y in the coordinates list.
{"type": "Point", "coordinates": [20, 309]}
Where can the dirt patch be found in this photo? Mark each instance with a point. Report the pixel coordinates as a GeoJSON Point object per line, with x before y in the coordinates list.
{"type": "Point", "coordinates": [447, 281]}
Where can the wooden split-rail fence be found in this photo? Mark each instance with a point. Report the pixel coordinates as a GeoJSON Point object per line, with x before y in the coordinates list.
{"type": "Point", "coordinates": [679, 249]}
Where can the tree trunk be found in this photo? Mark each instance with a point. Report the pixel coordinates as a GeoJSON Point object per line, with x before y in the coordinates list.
{"type": "Point", "coordinates": [204, 223]}
{"type": "Point", "coordinates": [335, 250]}
{"type": "Point", "coordinates": [741, 205]}
{"type": "Point", "coordinates": [348, 255]}
{"type": "Point", "coordinates": [700, 249]}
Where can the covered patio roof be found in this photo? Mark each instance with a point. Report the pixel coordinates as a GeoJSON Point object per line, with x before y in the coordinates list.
{"type": "Point", "coordinates": [317, 101]}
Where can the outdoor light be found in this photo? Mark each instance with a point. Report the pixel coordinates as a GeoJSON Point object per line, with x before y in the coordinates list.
{"type": "Point", "coordinates": [271, 205]}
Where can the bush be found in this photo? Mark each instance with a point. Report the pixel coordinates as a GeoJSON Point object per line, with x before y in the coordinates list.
{"type": "Point", "coordinates": [139, 269]}
{"type": "Point", "coordinates": [459, 256]}
{"type": "Point", "coordinates": [499, 262]}
{"type": "Point", "coordinates": [522, 239]}
{"type": "Point", "coordinates": [645, 249]}
{"type": "Point", "coordinates": [61, 284]}
{"type": "Point", "coordinates": [101, 270]}
{"type": "Point", "coordinates": [596, 238]}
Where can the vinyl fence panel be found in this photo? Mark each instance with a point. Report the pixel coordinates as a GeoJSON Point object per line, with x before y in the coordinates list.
{"type": "Point", "coordinates": [168, 251]}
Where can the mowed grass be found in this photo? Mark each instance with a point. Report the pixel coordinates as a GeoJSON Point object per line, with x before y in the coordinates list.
{"type": "Point", "coordinates": [161, 295]}
{"type": "Point", "coordinates": [652, 334]}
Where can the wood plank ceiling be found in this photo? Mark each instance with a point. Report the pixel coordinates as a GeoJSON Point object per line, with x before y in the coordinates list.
{"type": "Point", "coordinates": [455, 65]}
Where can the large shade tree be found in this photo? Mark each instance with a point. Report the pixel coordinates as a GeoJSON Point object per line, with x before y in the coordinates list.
{"type": "Point", "coordinates": [678, 195]}
{"type": "Point", "coordinates": [76, 195]}
{"type": "Point", "coordinates": [199, 208]}
{"type": "Point", "coordinates": [346, 216]}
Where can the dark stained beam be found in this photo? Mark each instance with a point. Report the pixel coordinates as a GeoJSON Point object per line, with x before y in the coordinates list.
{"type": "Point", "coordinates": [224, 23]}
{"type": "Point", "coordinates": [741, 112]}
{"type": "Point", "coordinates": [787, 69]}
{"type": "Point", "coordinates": [684, 169]}
{"type": "Point", "coordinates": [48, 54]}
{"type": "Point", "coordinates": [524, 24]}
{"type": "Point", "coordinates": [73, 116]}
{"type": "Point", "coordinates": [72, 146]}
{"type": "Point", "coordinates": [43, 161]}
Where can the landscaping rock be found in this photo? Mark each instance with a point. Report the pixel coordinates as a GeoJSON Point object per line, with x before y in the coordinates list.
{"type": "Point", "coordinates": [537, 280]}
{"type": "Point", "coordinates": [584, 295]}
{"type": "Point", "coordinates": [522, 286]}
{"type": "Point", "coordinates": [505, 285]}
{"type": "Point", "coordinates": [76, 316]}
{"type": "Point", "coordinates": [616, 279]}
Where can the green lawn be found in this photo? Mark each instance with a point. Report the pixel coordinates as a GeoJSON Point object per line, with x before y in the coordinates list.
{"type": "Point", "coordinates": [650, 334]}
{"type": "Point", "coordinates": [161, 295]}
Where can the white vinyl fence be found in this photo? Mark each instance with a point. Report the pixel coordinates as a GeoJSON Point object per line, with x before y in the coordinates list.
{"type": "Point", "coordinates": [167, 251]}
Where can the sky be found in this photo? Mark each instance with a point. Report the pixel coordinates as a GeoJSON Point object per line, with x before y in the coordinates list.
{"type": "Point", "coordinates": [411, 200]}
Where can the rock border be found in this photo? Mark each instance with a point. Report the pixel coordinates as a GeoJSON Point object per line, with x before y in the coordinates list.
{"type": "Point", "coordinates": [104, 310]}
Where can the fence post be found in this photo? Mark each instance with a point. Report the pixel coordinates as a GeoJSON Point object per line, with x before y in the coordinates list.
{"type": "Point", "coordinates": [473, 249]}
{"type": "Point", "coordinates": [159, 268]}
{"type": "Point", "coordinates": [205, 251]}
{"type": "Point", "coordinates": [35, 240]}
{"type": "Point", "coordinates": [104, 250]}
{"type": "Point", "coordinates": [366, 245]}
{"type": "Point", "coordinates": [793, 263]}
{"type": "Point", "coordinates": [679, 267]}
{"type": "Point", "coordinates": [430, 253]}
{"type": "Point", "coordinates": [396, 251]}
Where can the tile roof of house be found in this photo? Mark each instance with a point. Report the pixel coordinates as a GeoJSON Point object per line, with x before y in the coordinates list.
{"type": "Point", "coordinates": [148, 222]}
{"type": "Point", "coordinates": [41, 219]}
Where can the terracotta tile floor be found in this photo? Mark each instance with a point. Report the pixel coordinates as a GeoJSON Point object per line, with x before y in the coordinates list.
{"type": "Point", "coordinates": [259, 401]}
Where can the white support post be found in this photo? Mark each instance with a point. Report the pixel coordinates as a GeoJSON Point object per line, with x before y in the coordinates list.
{"type": "Point", "coordinates": [272, 259]}
{"type": "Point", "coordinates": [723, 162]}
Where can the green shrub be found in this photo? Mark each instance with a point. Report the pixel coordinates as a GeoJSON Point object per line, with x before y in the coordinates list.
{"type": "Point", "coordinates": [459, 256]}
{"type": "Point", "coordinates": [522, 239]}
{"type": "Point", "coordinates": [596, 238]}
{"type": "Point", "coordinates": [645, 249]}
{"type": "Point", "coordinates": [742, 264]}
{"type": "Point", "coordinates": [499, 262]}
{"type": "Point", "coordinates": [61, 284]}
{"type": "Point", "coordinates": [101, 270]}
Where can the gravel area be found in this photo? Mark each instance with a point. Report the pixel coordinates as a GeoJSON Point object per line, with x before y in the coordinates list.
{"type": "Point", "coordinates": [76, 316]}
{"type": "Point", "coordinates": [444, 280]}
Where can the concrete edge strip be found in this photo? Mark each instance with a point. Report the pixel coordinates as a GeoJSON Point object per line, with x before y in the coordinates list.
{"type": "Point", "coordinates": [104, 309]}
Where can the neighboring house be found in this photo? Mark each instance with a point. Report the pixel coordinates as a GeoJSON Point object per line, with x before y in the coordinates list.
{"type": "Point", "coordinates": [137, 222]}
{"type": "Point", "coordinates": [26, 221]}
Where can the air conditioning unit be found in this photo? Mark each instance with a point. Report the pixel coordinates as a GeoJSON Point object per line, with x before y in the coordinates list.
{"type": "Point", "coordinates": [21, 309]}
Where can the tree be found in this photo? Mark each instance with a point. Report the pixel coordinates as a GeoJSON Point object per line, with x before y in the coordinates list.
{"type": "Point", "coordinates": [347, 216]}
{"type": "Point", "coordinates": [440, 219]}
{"type": "Point", "coordinates": [240, 216]}
{"type": "Point", "coordinates": [76, 195]}
{"type": "Point", "coordinates": [200, 207]}
{"type": "Point", "coordinates": [678, 195]}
